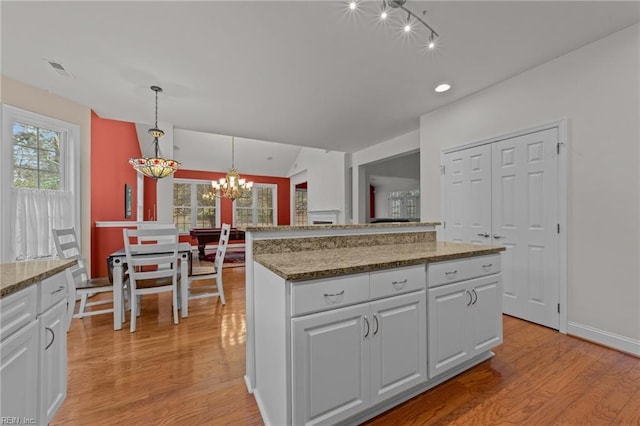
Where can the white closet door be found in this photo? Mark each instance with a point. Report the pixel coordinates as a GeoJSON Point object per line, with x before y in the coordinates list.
{"type": "Point", "coordinates": [468, 195]}
{"type": "Point", "coordinates": [525, 220]}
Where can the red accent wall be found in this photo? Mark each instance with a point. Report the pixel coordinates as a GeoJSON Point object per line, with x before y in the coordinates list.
{"type": "Point", "coordinates": [112, 144]}
{"type": "Point", "coordinates": [226, 205]}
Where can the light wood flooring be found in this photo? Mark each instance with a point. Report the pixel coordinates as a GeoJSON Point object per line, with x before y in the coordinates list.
{"type": "Point", "coordinates": [192, 374]}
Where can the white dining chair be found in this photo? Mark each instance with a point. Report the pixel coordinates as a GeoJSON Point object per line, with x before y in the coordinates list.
{"type": "Point", "coordinates": [216, 289]}
{"type": "Point", "coordinates": [156, 238]}
{"type": "Point", "coordinates": [148, 270]}
{"type": "Point", "coordinates": [82, 285]}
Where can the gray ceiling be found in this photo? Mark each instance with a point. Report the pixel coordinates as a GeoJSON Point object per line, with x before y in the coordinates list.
{"type": "Point", "coordinates": [296, 72]}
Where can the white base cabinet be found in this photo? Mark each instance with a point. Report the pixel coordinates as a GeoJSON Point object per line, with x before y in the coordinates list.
{"type": "Point", "coordinates": [53, 360]}
{"type": "Point", "coordinates": [347, 359]}
{"type": "Point", "coordinates": [342, 350]}
{"type": "Point", "coordinates": [33, 348]}
{"type": "Point", "coordinates": [465, 317]}
{"type": "Point", "coordinates": [19, 373]}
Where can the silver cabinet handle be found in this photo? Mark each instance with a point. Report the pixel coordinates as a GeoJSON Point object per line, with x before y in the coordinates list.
{"type": "Point", "coordinates": [487, 266]}
{"type": "Point", "coordinates": [366, 320]}
{"type": "Point", "coordinates": [53, 338]}
{"type": "Point", "coordinates": [375, 317]}
{"type": "Point", "coordinates": [334, 297]}
{"type": "Point", "coordinates": [58, 290]}
{"type": "Point", "coordinates": [485, 234]}
{"type": "Point", "coordinates": [475, 294]}
{"type": "Point", "coordinates": [399, 284]}
{"type": "Point", "coordinates": [451, 273]}
{"type": "Point", "coordinates": [497, 237]}
{"type": "Point", "coordinates": [470, 297]}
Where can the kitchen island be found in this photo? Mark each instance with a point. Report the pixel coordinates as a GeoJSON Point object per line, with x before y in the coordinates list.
{"type": "Point", "coordinates": [34, 316]}
{"type": "Point", "coordinates": [346, 325]}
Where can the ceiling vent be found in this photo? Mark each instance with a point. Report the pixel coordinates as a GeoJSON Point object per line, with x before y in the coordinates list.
{"type": "Point", "coordinates": [59, 69]}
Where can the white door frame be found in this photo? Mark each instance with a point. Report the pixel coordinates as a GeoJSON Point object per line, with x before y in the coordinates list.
{"type": "Point", "coordinates": [563, 174]}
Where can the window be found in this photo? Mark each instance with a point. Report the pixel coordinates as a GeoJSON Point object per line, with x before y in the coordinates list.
{"type": "Point", "coordinates": [36, 157]}
{"type": "Point", "coordinates": [404, 204]}
{"type": "Point", "coordinates": [258, 207]}
{"type": "Point", "coordinates": [41, 179]}
{"type": "Point", "coordinates": [301, 206]}
{"type": "Point", "coordinates": [194, 206]}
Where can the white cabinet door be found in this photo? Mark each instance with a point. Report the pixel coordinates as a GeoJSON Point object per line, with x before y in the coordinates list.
{"type": "Point", "coordinates": [448, 326]}
{"type": "Point", "coordinates": [19, 373]}
{"type": "Point", "coordinates": [330, 365]}
{"type": "Point", "coordinates": [398, 344]}
{"type": "Point", "coordinates": [53, 360]}
{"type": "Point", "coordinates": [485, 318]}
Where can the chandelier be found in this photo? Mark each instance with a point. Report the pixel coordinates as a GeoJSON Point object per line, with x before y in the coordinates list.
{"type": "Point", "coordinates": [232, 185]}
{"type": "Point", "coordinates": [155, 167]}
{"type": "Point", "coordinates": [408, 25]}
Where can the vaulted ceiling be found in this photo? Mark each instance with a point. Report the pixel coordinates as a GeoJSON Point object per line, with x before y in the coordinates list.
{"type": "Point", "coordinates": [305, 73]}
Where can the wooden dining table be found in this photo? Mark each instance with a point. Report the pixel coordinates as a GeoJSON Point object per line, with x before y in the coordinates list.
{"type": "Point", "coordinates": [119, 258]}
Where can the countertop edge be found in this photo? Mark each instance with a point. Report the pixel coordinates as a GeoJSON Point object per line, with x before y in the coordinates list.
{"type": "Point", "coordinates": [37, 277]}
{"type": "Point", "coordinates": [285, 228]}
{"type": "Point", "coordinates": [334, 272]}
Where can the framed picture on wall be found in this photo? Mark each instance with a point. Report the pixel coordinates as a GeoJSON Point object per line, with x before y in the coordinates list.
{"type": "Point", "coordinates": [128, 193]}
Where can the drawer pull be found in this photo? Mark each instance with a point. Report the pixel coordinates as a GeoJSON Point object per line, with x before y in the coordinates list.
{"type": "Point", "coordinates": [53, 338]}
{"type": "Point", "coordinates": [487, 267]}
{"type": "Point", "coordinates": [375, 317]}
{"type": "Point", "coordinates": [470, 298]}
{"type": "Point", "coordinates": [58, 290]}
{"type": "Point", "coordinates": [399, 284]}
{"type": "Point", "coordinates": [475, 294]}
{"type": "Point", "coordinates": [366, 320]}
{"type": "Point", "coordinates": [334, 297]}
{"type": "Point", "coordinates": [451, 273]}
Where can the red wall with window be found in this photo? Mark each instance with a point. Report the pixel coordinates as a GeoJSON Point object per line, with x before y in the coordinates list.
{"type": "Point", "coordinates": [226, 205]}
{"type": "Point", "coordinates": [113, 143]}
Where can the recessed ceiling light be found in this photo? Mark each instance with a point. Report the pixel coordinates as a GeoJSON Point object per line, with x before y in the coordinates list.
{"type": "Point", "coordinates": [353, 5]}
{"type": "Point", "coordinates": [442, 87]}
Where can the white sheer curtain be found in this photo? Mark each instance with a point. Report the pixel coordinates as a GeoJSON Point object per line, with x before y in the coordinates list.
{"type": "Point", "coordinates": [35, 213]}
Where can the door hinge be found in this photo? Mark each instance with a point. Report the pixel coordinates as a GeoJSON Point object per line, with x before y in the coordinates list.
{"type": "Point", "coordinates": [558, 228]}
{"type": "Point", "coordinates": [442, 170]}
{"type": "Point", "coordinates": [558, 308]}
{"type": "Point", "coordinates": [558, 148]}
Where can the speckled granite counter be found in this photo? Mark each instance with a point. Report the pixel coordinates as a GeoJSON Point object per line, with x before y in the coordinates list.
{"type": "Point", "coordinates": [329, 227]}
{"type": "Point", "coordinates": [19, 275]}
{"type": "Point", "coordinates": [312, 264]}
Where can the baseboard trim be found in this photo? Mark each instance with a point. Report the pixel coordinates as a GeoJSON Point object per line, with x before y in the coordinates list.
{"type": "Point", "coordinates": [605, 338]}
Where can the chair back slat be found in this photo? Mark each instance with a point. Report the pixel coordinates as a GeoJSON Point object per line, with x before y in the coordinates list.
{"type": "Point", "coordinates": [142, 255]}
{"type": "Point", "coordinates": [68, 247]}
{"type": "Point", "coordinates": [225, 232]}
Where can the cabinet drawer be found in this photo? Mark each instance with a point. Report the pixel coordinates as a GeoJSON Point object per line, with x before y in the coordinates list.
{"type": "Point", "coordinates": [440, 273]}
{"type": "Point", "coordinates": [330, 293]}
{"type": "Point", "coordinates": [397, 281]}
{"type": "Point", "coordinates": [52, 290]}
{"type": "Point", "coordinates": [17, 310]}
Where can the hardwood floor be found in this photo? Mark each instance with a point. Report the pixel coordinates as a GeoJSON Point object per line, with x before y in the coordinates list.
{"type": "Point", "coordinates": [192, 374]}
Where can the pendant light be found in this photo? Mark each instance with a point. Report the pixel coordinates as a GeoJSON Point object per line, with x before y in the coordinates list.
{"type": "Point", "coordinates": [155, 167]}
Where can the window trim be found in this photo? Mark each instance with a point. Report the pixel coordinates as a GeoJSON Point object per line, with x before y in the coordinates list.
{"type": "Point", "coordinates": [70, 157]}
{"type": "Point", "coordinates": [403, 203]}
{"type": "Point", "coordinates": [254, 208]}
{"type": "Point", "coordinates": [194, 201]}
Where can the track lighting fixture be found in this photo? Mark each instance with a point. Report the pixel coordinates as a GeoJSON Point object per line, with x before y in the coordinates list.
{"type": "Point", "coordinates": [408, 26]}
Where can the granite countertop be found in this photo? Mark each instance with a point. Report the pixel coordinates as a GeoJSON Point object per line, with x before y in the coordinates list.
{"type": "Point", "coordinates": [19, 275]}
{"type": "Point", "coordinates": [312, 264]}
{"type": "Point", "coordinates": [352, 226]}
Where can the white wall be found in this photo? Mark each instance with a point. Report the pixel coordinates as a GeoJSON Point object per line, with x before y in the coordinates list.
{"type": "Point", "coordinates": [597, 89]}
{"type": "Point", "coordinates": [388, 149]}
{"type": "Point", "coordinates": [39, 101]}
{"type": "Point", "coordinates": [325, 179]}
